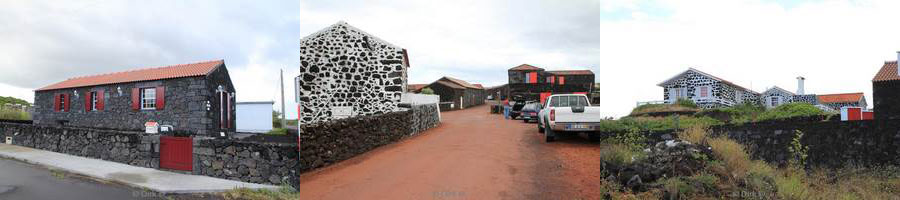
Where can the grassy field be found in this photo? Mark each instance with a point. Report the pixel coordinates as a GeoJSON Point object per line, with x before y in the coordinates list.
{"type": "Point", "coordinates": [14, 115]}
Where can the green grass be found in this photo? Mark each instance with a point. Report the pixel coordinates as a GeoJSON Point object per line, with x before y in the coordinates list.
{"type": "Point", "coordinates": [790, 110]}
{"type": "Point", "coordinates": [14, 115]}
{"type": "Point", "coordinates": [283, 193]}
{"type": "Point", "coordinates": [655, 123]}
{"type": "Point", "coordinates": [621, 154]}
{"type": "Point", "coordinates": [277, 131]}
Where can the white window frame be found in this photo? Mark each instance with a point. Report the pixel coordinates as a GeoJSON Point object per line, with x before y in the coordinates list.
{"type": "Point", "coordinates": [774, 101]}
{"type": "Point", "coordinates": [93, 101]}
{"type": "Point", "coordinates": [701, 89]}
{"type": "Point", "coordinates": [148, 102]}
{"type": "Point", "coordinates": [680, 93]}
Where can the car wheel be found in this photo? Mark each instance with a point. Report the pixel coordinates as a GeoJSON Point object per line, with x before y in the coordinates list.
{"type": "Point", "coordinates": [548, 133]}
{"type": "Point", "coordinates": [540, 129]}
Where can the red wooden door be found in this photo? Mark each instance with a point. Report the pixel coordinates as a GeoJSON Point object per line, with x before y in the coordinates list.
{"type": "Point", "coordinates": [176, 153]}
{"type": "Point", "coordinates": [854, 114]}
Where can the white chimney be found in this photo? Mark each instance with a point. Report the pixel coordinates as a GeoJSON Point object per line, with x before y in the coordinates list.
{"type": "Point", "coordinates": [800, 80]}
{"type": "Point", "coordinates": [898, 63]}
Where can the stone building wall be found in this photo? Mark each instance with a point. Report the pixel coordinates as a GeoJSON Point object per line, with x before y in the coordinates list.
{"type": "Point", "coordinates": [128, 147]}
{"type": "Point", "coordinates": [185, 105]}
{"type": "Point", "coordinates": [342, 67]}
{"type": "Point", "coordinates": [326, 143]}
{"type": "Point", "coordinates": [886, 99]}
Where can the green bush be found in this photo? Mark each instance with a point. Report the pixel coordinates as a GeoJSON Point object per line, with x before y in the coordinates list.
{"type": "Point", "coordinates": [686, 103]}
{"type": "Point", "coordinates": [738, 114]}
{"type": "Point", "coordinates": [790, 110]}
{"type": "Point", "coordinates": [621, 154]}
{"type": "Point", "coordinates": [14, 115]}
{"type": "Point", "coordinates": [277, 131]}
{"type": "Point", "coordinates": [427, 91]}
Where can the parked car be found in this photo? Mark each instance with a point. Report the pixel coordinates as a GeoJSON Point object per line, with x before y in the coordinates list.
{"type": "Point", "coordinates": [530, 112]}
{"type": "Point", "coordinates": [516, 108]}
{"type": "Point", "coordinates": [570, 113]}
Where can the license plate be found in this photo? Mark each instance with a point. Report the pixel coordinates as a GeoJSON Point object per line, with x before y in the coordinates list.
{"type": "Point", "coordinates": [578, 127]}
{"type": "Point", "coordinates": [532, 114]}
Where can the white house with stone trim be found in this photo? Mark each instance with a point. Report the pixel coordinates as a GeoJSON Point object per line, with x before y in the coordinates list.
{"type": "Point", "coordinates": [706, 90]}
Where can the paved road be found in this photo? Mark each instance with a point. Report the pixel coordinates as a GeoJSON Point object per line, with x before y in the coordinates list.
{"type": "Point", "coordinates": [33, 182]}
{"type": "Point", "coordinates": [471, 155]}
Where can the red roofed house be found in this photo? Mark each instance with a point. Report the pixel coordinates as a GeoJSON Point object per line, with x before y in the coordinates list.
{"type": "Point", "coordinates": [836, 101]}
{"type": "Point", "coordinates": [886, 91]}
{"type": "Point", "coordinates": [197, 98]}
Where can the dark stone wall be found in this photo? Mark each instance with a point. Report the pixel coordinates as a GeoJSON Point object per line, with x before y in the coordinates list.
{"type": "Point", "coordinates": [185, 105]}
{"type": "Point", "coordinates": [831, 143]}
{"type": "Point", "coordinates": [532, 91]}
{"type": "Point", "coordinates": [128, 147]}
{"type": "Point", "coordinates": [255, 162]}
{"type": "Point", "coordinates": [326, 143]}
{"type": "Point", "coordinates": [219, 77]}
{"type": "Point", "coordinates": [886, 99]}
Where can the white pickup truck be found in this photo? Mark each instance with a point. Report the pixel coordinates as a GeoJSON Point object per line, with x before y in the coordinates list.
{"type": "Point", "coordinates": [568, 113]}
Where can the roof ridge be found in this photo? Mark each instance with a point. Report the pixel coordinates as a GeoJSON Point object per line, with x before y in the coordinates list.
{"type": "Point", "coordinates": [143, 69]}
{"type": "Point", "coordinates": [842, 93]}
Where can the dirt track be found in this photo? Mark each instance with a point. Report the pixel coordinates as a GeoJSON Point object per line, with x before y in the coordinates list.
{"type": "Point", "coordinates": [471, 155]}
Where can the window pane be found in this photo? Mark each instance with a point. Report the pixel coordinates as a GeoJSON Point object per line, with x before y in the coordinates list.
{"type": "Point", "coordinates": [573, 101]}
{"type": "Point", "coordinates": [582, 101]}
{"type": "Point", "coordinates": [554, 102]}
{"type": "Point", "coordinates": [564, 101]}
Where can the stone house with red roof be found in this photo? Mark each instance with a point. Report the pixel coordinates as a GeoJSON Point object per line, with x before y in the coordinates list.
{"type": "Point", "coordinates": [457, 94]}
{"type": "Point", "coordinates": [706, 90]}
{"type": "Point", "coordinates": [197, 98]}
{"type": "Point", "coordinates": [530, 83]}
{"type": "Point", "coordinates": [885, 87]}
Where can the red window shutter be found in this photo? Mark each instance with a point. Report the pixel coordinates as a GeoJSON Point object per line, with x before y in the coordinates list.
{"type": "Point", "coordinates": [552, 79]}
{"type": "Point", "coordinates": [532, 77]}
{"type": "Point", "coordinates": [56, 102]}
{"type": "Point", "coordinates": [66, 102]}
{"type": "Point", "coordinates": [100, 100]}
{"type": "Point", "coordinates": [562, 80]}
{"type": "Point", "coordinates": [87, 101]}
{"type": "Point", "coordinates": [135, 98]}
{"type": "Point", "coordinates": [160, 97]}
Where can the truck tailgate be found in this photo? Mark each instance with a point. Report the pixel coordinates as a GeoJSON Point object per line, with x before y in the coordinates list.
{"type": "Point", "coordinates": [590, 114]}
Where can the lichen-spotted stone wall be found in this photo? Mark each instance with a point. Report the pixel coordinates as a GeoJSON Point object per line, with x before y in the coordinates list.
{"type": "Point", "coordinates": [342, 66]}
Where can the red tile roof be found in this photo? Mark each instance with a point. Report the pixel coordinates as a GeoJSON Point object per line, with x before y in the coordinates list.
{"type": "Point", "coordinates": [479, 86]}
{"type": "Point", "coordinates": [888, 72]}
{"type": "Point", "coordinates": [147, 74]}
{"type": "Point", "coordinates": [840, 98]}
{"type": "Point", "coordinates": [450, 84]}
{"type": "Point", "coordinates": [525, 67]}
{"type": "Point", "coordinates": [415, 87]}
{"type": "Point", "coordinates": [572, 72]}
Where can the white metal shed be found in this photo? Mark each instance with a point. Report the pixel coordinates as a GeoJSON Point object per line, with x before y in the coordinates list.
{"type": "Point", "coordinates": [254, 117]}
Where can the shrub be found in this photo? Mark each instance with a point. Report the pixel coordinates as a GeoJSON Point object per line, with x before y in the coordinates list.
{"type": "Point", "coordinates": [277, 131]}
{"type": "Point", "coordinates": [687, 103]}
{"type": "Point", "coordinates": [736, 160]}
{"type": "Point", "coordinates": [632, 139]}
{"type": "Point", "coordinates": [14, 115]}
{"type": "Point", "coordinates": [427, 91]}
{"type": "Point", "coordinates": [791, 184]}
{"type": "Point", "coordinates": [694, 134]}
{"type": "Point", "coordinates": [620, 154]}
{"type": "Point", "coordinates": [661, 108]}
{"type": "Point", "coordinates": [790, 110]}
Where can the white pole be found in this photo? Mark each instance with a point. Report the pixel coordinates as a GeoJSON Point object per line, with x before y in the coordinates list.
{"type": "Point", "coordinates": [281, 82]}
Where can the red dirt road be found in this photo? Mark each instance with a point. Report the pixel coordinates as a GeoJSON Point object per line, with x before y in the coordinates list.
{"type": "Point", "coordinates": [471, 155]}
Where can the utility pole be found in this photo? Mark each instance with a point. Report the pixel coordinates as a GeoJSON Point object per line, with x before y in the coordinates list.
{"type": "Point", "coordinates": [281, 82]}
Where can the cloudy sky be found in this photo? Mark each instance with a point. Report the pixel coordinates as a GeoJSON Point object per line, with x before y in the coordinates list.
{"type": "Point", "coordinates": [632, 45]}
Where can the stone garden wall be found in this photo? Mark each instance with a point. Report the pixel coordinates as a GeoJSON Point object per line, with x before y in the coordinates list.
{"type": "Point", "coordinates": [255, 162]}
{"type": "Point", "coordinates": [128, 147]}
{"type": "Point", "coordinates": [330, 142]}
{"type": "Point", "coordinates": [831, 143]}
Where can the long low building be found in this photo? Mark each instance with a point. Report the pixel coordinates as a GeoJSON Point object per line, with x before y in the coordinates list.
{"type": "Point", "coordinates": [456, 94]}
{"type": "Point", "coordinates": [530, 83]}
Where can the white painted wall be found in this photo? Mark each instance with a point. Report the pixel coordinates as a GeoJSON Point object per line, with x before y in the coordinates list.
{"type": "Point", "coordinates": [254, 117]}
{"type": "Point", "coordinates": [418, 99]}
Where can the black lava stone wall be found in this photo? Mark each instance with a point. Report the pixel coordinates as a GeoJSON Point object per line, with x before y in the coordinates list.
{"type": "Point", "coordinates": [831, 144]}
{"type": "Point", "coordinates": [342, 66]}
{"type": "Point", "coordinates": [185, 105]}
{"type": "Point", "coordinates": [255, 162]}
{"type": "Point", "coordinates": [886, 99]}
{"type": "Point", "coordinates": [128, 147]}
{"type": "Point", "coordinates": [326, 143]}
